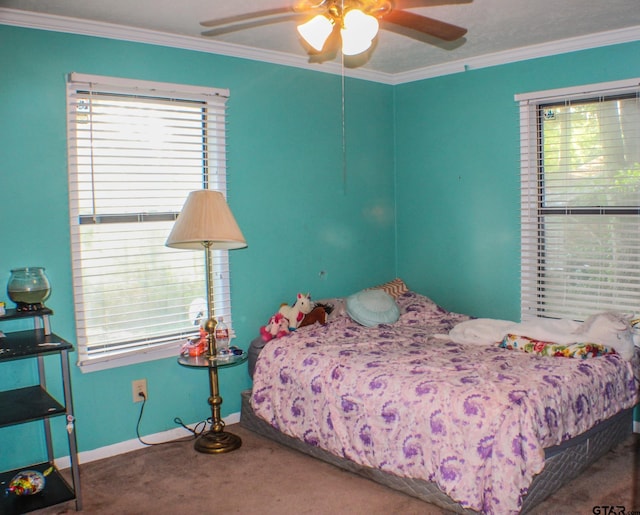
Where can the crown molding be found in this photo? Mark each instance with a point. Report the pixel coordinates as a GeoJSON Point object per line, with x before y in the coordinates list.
{"type": "Point", "coordinates": [563, 46]}
{"type": "Point", "coordinates": [29, 19]}
{"type": "Point", "coordinates": [56, 23]}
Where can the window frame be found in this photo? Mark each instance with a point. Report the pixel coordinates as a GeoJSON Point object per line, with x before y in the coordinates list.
{"type": "Point", "coordinates": [533, 207]}
{"type": "Point", "coordinates": [145, 349]}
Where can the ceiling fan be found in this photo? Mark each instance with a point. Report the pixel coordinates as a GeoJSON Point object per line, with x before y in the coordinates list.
{"type": "Point", "coordinates": [350, 25]}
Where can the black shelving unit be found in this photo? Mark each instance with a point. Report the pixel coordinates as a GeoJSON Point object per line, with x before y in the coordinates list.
{"type": "Point", "coordinates": [33, 403]}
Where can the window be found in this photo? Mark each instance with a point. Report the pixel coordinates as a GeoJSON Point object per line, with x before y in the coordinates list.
{"type": "Point", "coordinates": [580, 150]}
{"type": "Point", "coordinates": [136, 150]}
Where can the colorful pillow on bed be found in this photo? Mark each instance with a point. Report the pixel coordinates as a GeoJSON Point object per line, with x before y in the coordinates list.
{"type": "Point", "coordinates": [394, 288]}
{"type": "Point", "coordinates": [574, 350]}
{"type": "Point", "coordinates": [372, 307]}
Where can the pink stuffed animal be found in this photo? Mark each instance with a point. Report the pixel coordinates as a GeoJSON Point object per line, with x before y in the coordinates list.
{"type": "Point", "coordinates": [277, 327]}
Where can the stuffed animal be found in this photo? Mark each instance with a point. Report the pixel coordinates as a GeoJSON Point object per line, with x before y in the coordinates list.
{"type": "Point", "coordinates": [296, 313]}
{"type": "Point", "coordinates": [318, 314]}
{"type": "Point", "coordinates": [277, 327]}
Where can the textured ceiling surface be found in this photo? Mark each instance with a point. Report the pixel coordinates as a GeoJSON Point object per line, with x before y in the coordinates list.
{"type": "Point", "coordinates": [494, 26]}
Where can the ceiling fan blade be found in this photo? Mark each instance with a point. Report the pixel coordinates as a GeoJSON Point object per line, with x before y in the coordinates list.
{"type": "Point", "coordinates": [239, 18]}
{"type": "Point", "coordinates": [309, 5]}
{"type": "Point", "coordinates": [425, 25]}
{"type": "Point", "coordinates": [225, 25]}
{"type": "Point", "coordinates": [412, 4]}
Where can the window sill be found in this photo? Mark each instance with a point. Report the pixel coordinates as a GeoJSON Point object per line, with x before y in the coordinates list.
{"type": "Point", "coordinates": [105, 363]}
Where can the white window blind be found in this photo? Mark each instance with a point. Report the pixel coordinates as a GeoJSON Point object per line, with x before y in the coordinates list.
{"type": "Point", "coordinates": [580, 193]}
{"type": "Point", "coordinates": [136, 150]}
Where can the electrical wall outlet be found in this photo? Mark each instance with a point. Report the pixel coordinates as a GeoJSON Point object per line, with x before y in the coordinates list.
{"type": "Point", "coordinates": [139, 388]}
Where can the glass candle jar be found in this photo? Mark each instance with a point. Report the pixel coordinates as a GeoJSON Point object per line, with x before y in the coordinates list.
{"type": "Point", "coordinates": [28, 288]}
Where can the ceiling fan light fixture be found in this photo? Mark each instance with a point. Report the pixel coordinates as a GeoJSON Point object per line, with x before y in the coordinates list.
{"type": "Point", "coordinates": [357, 32]}
{"type": "Point", "coordinates": [316, 31]}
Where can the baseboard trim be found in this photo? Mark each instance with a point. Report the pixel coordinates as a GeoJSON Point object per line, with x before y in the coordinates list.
{"type": "Point", "coordinates": [116, 449]}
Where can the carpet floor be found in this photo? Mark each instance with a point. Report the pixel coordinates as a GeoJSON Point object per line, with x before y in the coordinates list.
{"type": "Point", "coordinates": [263, 477]}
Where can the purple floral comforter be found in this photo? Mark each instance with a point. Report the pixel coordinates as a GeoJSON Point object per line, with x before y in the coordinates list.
{"type": "Point", "coordinates": [473, 419]}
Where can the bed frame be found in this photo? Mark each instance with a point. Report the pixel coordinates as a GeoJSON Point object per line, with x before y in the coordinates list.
{"type": "Point", "coordinates": [562, 462]}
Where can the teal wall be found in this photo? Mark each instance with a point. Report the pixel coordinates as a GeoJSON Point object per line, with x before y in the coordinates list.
{"type": "Point", "coordinates": [299, 212]}
{"type": "Point", "coordinates": [447, 220]}
{"type": "Point", "coordinates": [458, 175]}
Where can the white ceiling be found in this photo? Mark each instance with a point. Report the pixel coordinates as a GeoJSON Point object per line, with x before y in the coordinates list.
{"type": "Point", "coordinates": [498, 30]}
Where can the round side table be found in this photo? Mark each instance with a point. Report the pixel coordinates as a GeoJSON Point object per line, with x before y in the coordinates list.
{"type": "Point", "coordinates": [216, 440]}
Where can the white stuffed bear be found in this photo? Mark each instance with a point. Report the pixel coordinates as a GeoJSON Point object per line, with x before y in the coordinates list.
{"type": "Point", "coordinates": [610, 329]}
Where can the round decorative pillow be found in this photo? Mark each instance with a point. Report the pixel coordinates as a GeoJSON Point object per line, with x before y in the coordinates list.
{"type": "Point", "coordinates": [372, 307]}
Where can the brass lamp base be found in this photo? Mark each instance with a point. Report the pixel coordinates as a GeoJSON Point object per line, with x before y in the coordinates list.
{"type": "Point", "coordinates": [213, 442]}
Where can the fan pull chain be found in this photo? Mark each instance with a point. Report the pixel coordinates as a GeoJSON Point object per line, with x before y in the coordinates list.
{"type": "Point", "coordinates": [344, 132]}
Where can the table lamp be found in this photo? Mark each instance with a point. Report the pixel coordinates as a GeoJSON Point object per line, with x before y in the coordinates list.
{"type": "Point", "coordinates": [206, 223]}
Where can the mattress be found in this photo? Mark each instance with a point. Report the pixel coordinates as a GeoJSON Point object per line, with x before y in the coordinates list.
{"type": "Point", "coordinates": [563, 462]}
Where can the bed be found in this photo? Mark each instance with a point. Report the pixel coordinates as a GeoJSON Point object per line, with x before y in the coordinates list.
{"type": "Point", "coordinates": [471, 428]}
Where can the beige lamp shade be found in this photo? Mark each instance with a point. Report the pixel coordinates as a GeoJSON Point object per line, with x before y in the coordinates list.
{"type": "Point", "coordinates": [206, 218]}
